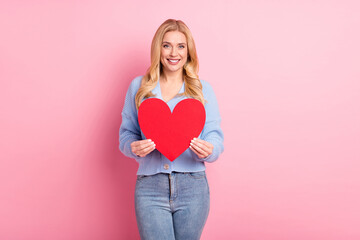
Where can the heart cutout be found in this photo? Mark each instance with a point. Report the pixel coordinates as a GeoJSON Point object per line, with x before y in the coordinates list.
{"type": "Point", "coordinates": [171, 132]}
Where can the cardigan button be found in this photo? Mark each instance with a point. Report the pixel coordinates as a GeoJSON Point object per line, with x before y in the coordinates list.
{"type": "Point", "coordinates": [166, 166]}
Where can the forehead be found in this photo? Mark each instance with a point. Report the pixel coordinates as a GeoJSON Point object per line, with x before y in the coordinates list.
{"type": "Point", "coordinates": [174, 37]}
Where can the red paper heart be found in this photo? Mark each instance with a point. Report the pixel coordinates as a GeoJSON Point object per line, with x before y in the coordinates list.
{"type": "Point", "coordinates": [171, 132]}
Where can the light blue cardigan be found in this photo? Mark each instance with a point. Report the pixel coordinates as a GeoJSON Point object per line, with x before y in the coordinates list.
{"type": "Point", "coordinates": [155, 162]}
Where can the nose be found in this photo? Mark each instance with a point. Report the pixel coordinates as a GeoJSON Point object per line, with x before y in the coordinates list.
{"type": "Point", "coordinates": [173, 51]}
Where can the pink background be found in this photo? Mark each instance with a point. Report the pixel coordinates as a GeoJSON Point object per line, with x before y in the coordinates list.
{"type": "Point", "coordinates": [286, 75]}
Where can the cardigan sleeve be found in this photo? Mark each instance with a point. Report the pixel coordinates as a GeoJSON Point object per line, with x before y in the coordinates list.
{"type": "Point", "coordinates": [129, 129]}
{"type": "Point", "coordinates": [212, 131]}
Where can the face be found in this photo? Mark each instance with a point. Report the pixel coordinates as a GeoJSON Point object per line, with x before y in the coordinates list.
{"type": "Point", "coordinates": [174, 51]}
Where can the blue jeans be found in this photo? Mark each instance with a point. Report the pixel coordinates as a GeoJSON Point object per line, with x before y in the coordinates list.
{"type": "Point", "coordinates": [172, 206]}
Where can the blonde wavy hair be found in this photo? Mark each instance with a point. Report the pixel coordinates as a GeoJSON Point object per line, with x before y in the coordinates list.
{"type": "Point", "coordinates": [193, 87]}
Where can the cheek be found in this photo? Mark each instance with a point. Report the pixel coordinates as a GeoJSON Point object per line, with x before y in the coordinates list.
{"type": "Point", "coordinates": [184, 53]}
{"type": "Point", "coordinates": [164, 52]}
{"type": "Point", "coordinates": [162, 57]}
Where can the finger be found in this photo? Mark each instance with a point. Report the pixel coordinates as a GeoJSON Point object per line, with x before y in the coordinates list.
{"type": "Point", "coordinates": [204, 149]}
{"type": "Point", "coordinates": [144, 151]}
{"type": "Point", "coordinates": [140, 142]}
{"type": "Point", "coordinates": [147, 150]}
{"type": "Point", "coordinates": [206, 146]}
{"type": "Point", "coordinates": [140, 145]}
{"type": "Point", "coordinates": [198, 148]}
{"type": "Point", "coordinates": [145, 145]}
{"type": "Point", "coordinates": [209, 145]}
{"type": "Point", "coordinates": [197, 153]}
{"type": "Point", "coordinates": [137, 146]}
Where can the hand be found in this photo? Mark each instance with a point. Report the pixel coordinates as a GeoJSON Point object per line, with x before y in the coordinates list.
{"type": "Point", "coordinates": [201, 148]}
{"type": "Point", "coordinates": [143, 147]}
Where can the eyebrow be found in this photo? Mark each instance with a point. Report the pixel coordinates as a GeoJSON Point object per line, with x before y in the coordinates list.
{"type": "Point", "coordinates": [178, 43]}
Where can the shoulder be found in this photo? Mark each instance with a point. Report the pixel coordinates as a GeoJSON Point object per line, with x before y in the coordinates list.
{"type": "Point", "coordinates": [134, 85]}
{"type": "Point", "coordinates": [129, 104]}
{"type": "Point", "coordinates": [204, 83]}
{"type": "Point", "coordinates": [207, 89]}
{"type": "Point", "coordinates": [211, 103]}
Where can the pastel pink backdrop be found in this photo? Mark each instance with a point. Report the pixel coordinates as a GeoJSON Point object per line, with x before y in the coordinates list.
{"type": "Point", "coordinates": [286, 75]}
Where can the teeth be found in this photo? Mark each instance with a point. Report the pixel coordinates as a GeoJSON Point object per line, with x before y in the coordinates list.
{"type": "Point", "coordinates": [173, 60]}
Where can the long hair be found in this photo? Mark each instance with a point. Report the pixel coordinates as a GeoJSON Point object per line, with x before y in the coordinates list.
{"type": "Point", "coordinates": [193, 87]}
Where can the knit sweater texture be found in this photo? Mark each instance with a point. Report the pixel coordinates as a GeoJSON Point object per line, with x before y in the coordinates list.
{"type": "Point", "coordinates": [155, 162]}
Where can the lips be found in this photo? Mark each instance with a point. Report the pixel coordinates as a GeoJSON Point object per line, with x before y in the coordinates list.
{"type": "Point", "coordinates": [173, 61]}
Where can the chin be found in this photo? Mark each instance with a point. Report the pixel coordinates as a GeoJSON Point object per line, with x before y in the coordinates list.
{"type": "Point", "coordinates": [174, 69]}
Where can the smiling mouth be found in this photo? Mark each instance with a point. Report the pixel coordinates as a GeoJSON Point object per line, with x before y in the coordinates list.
{"type": "Point", "coordinates": [173, 60]}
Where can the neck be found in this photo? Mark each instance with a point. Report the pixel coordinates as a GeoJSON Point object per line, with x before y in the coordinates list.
{"type": "Point", "coordinates": [172, 76]}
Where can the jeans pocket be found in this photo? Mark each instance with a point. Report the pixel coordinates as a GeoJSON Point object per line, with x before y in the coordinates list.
{"type": "Point", "coordinates": [139, 177]}
{"type": "Point", "coordinates": [197, 175]}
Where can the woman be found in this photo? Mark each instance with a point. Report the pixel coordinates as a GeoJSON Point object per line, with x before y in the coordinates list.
{"type": "Point", "coordinates": [171, 197]}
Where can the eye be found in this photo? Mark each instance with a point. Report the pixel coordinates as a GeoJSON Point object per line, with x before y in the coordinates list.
{"type": "Point", "coordinates": [166, 46]}
{"type": "Point", "coordinates": [181, 46]}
